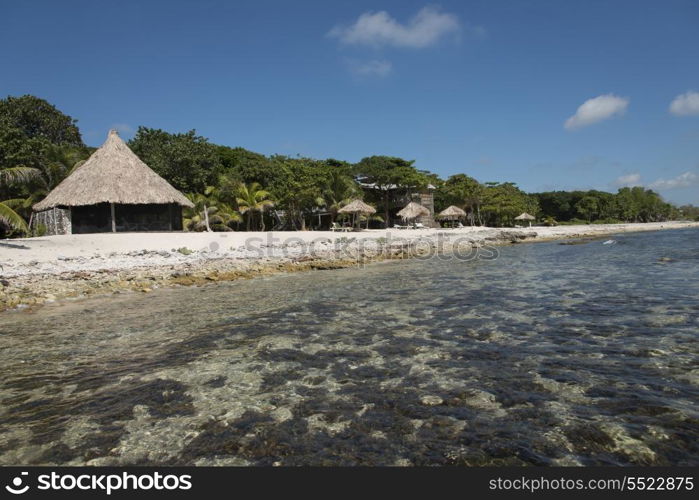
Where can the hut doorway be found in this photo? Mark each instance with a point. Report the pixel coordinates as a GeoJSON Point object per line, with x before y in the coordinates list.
{"type": "Point", "coordinates": [92, 219]}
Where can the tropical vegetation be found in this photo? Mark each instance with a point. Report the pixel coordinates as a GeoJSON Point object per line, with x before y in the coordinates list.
{"type": "Point", "coordinates": [236, 189]}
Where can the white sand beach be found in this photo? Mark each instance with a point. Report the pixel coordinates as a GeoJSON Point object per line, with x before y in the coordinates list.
{"type": "Point", "coordinates": [37, 270]}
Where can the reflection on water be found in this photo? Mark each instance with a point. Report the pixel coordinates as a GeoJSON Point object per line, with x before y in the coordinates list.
{"type": "Point", "coordinates": [553, 354]}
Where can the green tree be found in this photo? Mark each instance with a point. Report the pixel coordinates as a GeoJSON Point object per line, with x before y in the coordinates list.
{"type": "Point", "coordinates": [187, 161]}
{"type": "Point", "coordinates": [502, 202]}
{"type": "Point", "coordinates": [464, 192]}
{"type": "Point", "coordinates": [8, 216]}
{"type": "Point", "coordinates": [392, 177]}
{"type": "Point", "coordinates": [245, 166]}
{"type": "Point", "coordinates": [340, 187]}
{"type": "Point", "coordinates": [36, 118]}
{"type": "Point", "coordinates": [298, 186]}
{"type": "Point", "coordinates": [587, 207]}
{"type": "Point", "coordinates": [210, 213]}
{"type": "Point", "coordinates": [253, 198]}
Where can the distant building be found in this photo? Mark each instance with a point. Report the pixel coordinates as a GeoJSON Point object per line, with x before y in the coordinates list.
{"type": "Point", "coordinates": [113, 191]}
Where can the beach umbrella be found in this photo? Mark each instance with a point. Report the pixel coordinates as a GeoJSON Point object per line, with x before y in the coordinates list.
{"type": "Point", "coordinates": [412, 211]}
{"type": "Point", "coordinates": [527, 217]}
{"type": "Point", "coordinates": [451, 213]}
{"type": "Point", "coordinates": [357, 207]}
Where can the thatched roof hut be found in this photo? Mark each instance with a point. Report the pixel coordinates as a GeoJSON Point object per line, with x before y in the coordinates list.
{"type": "Point", "coordinates": [412, 211]}
{"type": "Point", "coordinates": [451, 213]}
{"type": "Point", "coordinates": [357, 207]}
{"type": "Point", "coordinates": [113, 174]}
{"type": "Point", "coordinates": [114, 190]}
{"type": "Point", "coordinates": [527, 217]}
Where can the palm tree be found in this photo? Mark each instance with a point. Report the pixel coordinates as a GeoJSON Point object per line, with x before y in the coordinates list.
{"type": "Point", "coordinates": [253, 199]}
{"type": "Point", "coordinates": [60, 162]}
{"type": "Point", "coordinates": [339, 191]}
{"type": "Point", "coordinates": [209, 213]}
{"type": "Point", "coordinates": [197, 217]}
{"type": "Point", "coordinates": [8, 177]}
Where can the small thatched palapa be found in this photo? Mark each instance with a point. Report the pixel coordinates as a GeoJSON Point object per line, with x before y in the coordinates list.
{"type": "Point", "coordinates": [451, 212]}
{"type": "Point", "coordinates": [357, 207]}
{"type": "Point", "coordinates": [412, 211]}
{"type": "Point", "coordinates": [526, 216]}
{"type": "Point", "coordinates": [112, 191]}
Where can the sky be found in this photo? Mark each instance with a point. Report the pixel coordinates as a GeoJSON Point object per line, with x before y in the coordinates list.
{"type": "Point", "coordinates": [547, 94]}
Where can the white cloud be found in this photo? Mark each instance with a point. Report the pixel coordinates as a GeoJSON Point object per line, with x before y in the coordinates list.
{"type": "Point", "coordinates": [379, 29]}
{"type": "Point", "coordinates": [374, 68]}
{"type": "Point", "coordinates": [684, 180]}
{"type": "Point", "coordinates": [628, 180]}
{"type": "Point", "coordinates": [597, 109]}
{"type": "Point", "coordinates": [685, 104]}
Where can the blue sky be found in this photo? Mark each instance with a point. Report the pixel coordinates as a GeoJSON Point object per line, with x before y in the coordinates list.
{"type": "Point", "coordinates": [490, 88]}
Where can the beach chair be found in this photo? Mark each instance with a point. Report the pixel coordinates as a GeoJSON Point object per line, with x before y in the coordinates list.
{"type": "Point", "coordinates": [337, 227]}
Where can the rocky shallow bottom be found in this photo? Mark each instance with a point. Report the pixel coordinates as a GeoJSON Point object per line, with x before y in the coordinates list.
{"type": "Point", "coordinates": [550, 355]}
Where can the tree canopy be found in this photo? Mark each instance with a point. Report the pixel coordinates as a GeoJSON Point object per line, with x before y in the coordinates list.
{"type": "Point", "coordinates": [40, 146]}
{"type": "Point", "coordinates": [187, 161]}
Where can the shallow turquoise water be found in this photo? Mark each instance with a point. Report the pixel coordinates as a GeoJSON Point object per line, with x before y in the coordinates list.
{"type": "Point", "coordinates": [550, 354]}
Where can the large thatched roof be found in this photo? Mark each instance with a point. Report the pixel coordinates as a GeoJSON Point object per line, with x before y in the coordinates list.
{"type": "Point", "coordinates": [525, 216]}
{"type": "Point", "coordinates": [451, 212]}
{"type": "Point", "coordinates": [357, 206]}
{"type": "Point", "coordinates": [113, 174]}
{"type": "Point", "coordinates": [412, 210]}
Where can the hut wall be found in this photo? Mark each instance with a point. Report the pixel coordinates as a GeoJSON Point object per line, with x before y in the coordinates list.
{"type": "Point", "coordinates": [150, 217]}
{"type": "Point", "coordinates": [92, 219]}
{"type": "Point", "coordinates": [54, 220]}
{"type": "Point", "coordinates": [146, 217]}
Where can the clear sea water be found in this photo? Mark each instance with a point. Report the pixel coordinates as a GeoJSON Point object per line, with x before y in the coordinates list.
{"type": "Point", "coordinates": [549, 355]}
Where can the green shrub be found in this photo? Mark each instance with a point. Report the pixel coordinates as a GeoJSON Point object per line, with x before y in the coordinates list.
{"type": "Point", "coordinates": [39, 230]}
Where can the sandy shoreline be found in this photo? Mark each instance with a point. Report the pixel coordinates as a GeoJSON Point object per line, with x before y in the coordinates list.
{"type": "Point", "coordinates": [39, 270]}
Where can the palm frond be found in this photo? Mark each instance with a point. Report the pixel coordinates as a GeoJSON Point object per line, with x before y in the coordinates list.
{"type": "Point", "coordinates": [12, 219]}
{"type": "Point", "coordinates": [19, 175]}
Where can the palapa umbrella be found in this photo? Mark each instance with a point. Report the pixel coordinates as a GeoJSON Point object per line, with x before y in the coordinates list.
{"type": "Point", "coordinates": [357, 207]}
{"type": "Point", "coordinates": [526, 216]}
{"type": "Point", "coordinates": [451, 213]}
{"type": "Point", "coordinates": [412, 211]}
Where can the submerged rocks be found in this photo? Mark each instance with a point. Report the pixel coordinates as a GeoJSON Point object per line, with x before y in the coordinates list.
{"type": "Point", "coordinates": [431, 400]}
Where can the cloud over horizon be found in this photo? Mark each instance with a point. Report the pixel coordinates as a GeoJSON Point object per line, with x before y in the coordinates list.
{"type": "Point", "coordinates": [376, 29]}
{"type": "Point", "coordinates": [684, 180]}
{"type": "Point", "coordinates": [596, 110]}
{"type": "Point", "coordinates": [685, 104]}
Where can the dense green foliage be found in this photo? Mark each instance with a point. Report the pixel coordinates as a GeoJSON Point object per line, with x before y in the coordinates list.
{"type": "Point", "coordinates": [39, 146]}
{"type": "Point", "coordinates": [392, 178]}
{"type": "Point", "coordinates": [635, 204]}
{"type": "Point", "coordinates": [235, 189]}
{"type": "Point", "coordinates": [188, 161]}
